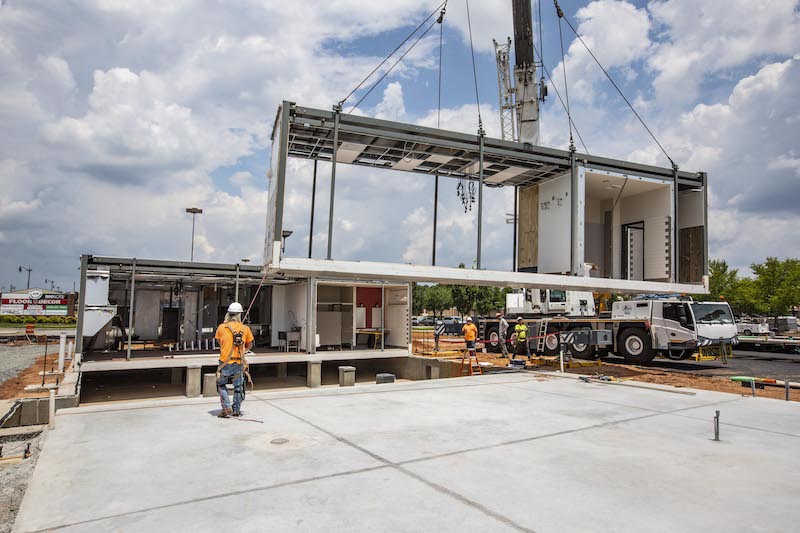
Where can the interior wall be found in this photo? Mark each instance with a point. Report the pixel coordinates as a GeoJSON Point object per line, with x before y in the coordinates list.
{"type": "Point", "coordinates": [555, 221]}
{"type": "Point", "coordinates": [595, 234]}
{"type": "Point", "coordinates": [528, 230]}
{"type": "Point", "coordinates": [690, 209]}
{"type": "Point", "coordinates": [368, 298]}
{"type": "Point", "coordinates": [289, 310]}
{"type": "Point", "coordinates": [396, 316]}
{"type": "Point", "coordinates": [654, 209]}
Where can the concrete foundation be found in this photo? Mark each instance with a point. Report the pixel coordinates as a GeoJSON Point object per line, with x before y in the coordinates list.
{"type": "Point", "coordinates": [443, 455]}
{"type": "Point", "coordinates": [347, 376]}
{"type": "Point", "coordinates": [314, 375]}
{"type": "Point", "coordinates": [193, 381]}
{"type": "Point", "coordinates": [210, 386]}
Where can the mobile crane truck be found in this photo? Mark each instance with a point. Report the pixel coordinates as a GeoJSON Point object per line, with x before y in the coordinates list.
{"type": "Point", "coordinates": [640, 329]}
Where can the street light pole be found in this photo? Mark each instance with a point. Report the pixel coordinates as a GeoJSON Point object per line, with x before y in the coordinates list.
{"type": "Point", "coordinates": [29, 269]}
{"type": "Point", "coordinates": [194, 212]}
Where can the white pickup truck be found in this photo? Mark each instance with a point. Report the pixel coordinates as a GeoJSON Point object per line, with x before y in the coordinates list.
{"type": "Point", "coordinates": [752, 326]}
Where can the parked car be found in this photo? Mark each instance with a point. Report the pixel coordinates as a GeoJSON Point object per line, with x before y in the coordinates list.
{"type": "Point", "coordinates": [423, 321]}
{"type": "Point", "coordinates": [451, 320]}
{"type": "Point", "coordinates": [752, 326]}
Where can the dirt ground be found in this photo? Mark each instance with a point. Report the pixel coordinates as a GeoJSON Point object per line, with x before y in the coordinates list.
{"type": "Point", "coordinates": [15, 387]}
{"type": "Point", "coordinates": [454, 347]}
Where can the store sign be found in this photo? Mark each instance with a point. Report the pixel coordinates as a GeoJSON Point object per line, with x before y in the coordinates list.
{"type": "Point", "coordinates": [33, 303]}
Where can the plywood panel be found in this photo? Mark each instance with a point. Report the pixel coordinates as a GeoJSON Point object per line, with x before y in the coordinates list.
{"type": "Point", "coordinates": [691, 254]}
{"type": "Point", "coordinates": [528, 231]}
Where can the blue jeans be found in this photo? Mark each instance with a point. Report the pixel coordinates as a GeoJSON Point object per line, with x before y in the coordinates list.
{"type": "Point", "coordinates": [232, 371]}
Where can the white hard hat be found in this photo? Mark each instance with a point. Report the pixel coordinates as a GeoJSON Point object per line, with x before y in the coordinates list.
{"type": "Point", "coordinates": [235, 307]}
{"type": "Point", "coordinates": [469, 319]}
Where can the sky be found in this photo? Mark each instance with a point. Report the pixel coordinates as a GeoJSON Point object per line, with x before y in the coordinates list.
{"type": "Point", "coordinates": [117, 115]}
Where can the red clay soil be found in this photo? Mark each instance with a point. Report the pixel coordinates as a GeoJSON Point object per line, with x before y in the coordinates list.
{"type": "Point", "coordinates": [15, 387]}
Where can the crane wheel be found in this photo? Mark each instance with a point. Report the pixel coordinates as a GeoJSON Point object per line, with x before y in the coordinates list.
{"type": "Point", "coordinates": [635, 346]}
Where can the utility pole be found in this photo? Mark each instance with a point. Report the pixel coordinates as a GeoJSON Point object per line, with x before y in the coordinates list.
{"type": "Point", "coordinates": [29, 269]}
{"type": "Point", "coordinates": [194, 211]}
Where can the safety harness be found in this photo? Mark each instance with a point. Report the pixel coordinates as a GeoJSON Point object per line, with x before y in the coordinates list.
{"type": "Point", "coordinates": [238, 344]}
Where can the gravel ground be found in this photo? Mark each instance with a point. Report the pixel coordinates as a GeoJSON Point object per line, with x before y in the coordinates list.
{"type": "Point", "coordinates": [15, 359]}
{"type": "Point", "coordinates": [14, 478]}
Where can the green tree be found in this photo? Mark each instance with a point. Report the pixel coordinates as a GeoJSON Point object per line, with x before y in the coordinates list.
{"type": "Point", "coordinates": [490, 299]}
{"type": "Point", "coordinates": [776, 285]}
{"type": "Point", "coordinates": [438, 298]}
{"type": "Point", "coordinates": [722, 280]}
{"type": "Point", "coordinates": [418, 293]}
{"type": "Point", "coordinates": [464, 298]}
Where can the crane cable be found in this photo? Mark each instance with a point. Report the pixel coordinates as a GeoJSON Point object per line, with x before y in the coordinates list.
{"type": "Point", "coordinates": [560, 16]}
{"type": "Point", "coordinates": [341, 102]}
{"type": "Point", "coordinates": [549, 77]}
{"type": "Point", "coordinates": [474, 70]}
{"type": "Point", "coordinates": [564, 69]}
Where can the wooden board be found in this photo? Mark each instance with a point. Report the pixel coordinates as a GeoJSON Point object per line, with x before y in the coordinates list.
{"type": "Point", "coordinates": [528, 231]}
{"type": "Point", "coordinates": [690, 258]}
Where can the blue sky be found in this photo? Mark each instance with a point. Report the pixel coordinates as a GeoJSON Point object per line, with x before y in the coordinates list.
{"type": "Point", "coordinates": [114, 116]}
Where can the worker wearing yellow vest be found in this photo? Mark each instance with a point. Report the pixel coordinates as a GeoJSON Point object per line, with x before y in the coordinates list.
{"type": "Point", "coordinates": [234, 340]}
{"type": "Point", "coordinates": [521, 332]}
{"type": "Point", "coordinates": [470, 332]}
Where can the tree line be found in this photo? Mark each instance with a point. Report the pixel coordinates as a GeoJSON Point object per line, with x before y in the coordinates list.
{"type": "Point", "coordinates": [465, 298]}
{"type": "Point", "coordinates": [772, 291]}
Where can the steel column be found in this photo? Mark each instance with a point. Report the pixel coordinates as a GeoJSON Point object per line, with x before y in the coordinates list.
{"type": "Point", "coordinates": [383, 314]}
{"type": "Point", "coordinates": [131, 309]}
{"type": "Point", "coordinates": [81, 310]}
{"type": "Point", "coordinates": [514, 258]}
{"type": "Point", "coordinates": [280, 186]}
{"type": "Point", "coordinates": [480, 195]}
{"type": "Point", "coordinates": [676, 230]}
{"type": "Point", "coordinates": [435, 216]}
{"type": "Point", "coordinates": [338, 110]}
{"type": "Point", "coordinates": [236, 290]}
{"type": "Point", "coordinates": [313, 203]}
{"type": "Point", "coordinates": [311, 316]}
{"type": "Point", "coordinates": [704, 177]}
{"type": "Point", "coordinates": [574, 203]}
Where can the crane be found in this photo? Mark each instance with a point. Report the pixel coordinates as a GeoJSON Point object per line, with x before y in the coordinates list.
{"type": "Point", "coordinates": [519, 96]}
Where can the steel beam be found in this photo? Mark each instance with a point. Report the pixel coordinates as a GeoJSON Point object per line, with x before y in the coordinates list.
{"type": "Point", "coordinates": [363, 271]}
{"type": "Point", "coordinates": [705, 223]}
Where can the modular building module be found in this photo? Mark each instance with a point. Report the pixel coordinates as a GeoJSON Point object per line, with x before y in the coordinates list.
{"type": "Point", "coordinates": [582, 222]}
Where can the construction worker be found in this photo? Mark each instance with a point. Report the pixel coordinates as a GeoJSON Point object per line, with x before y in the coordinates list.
{"type": "Point", "coordinates": [234, 340]}
{"type": "Point", "coordinates": [470, 332]}
{"type": "Point", "coordinates": [521, 332]}
{"type": "Point", "coordinates": [503, 332]}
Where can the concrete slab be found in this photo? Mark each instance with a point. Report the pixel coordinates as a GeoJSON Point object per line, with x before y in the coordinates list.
{"type": "Point", "coordinates": [489, 453]}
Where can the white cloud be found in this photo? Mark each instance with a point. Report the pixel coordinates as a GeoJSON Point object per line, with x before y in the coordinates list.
{"type": "Point", "coordinates": [713, 36]}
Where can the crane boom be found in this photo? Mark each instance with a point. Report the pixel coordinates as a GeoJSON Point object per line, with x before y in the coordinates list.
{"type": "Point", "coordinates": [526, 85]}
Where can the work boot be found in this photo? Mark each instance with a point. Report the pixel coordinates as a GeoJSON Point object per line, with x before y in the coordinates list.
{"type": "Point", "coordinates": [225, 413]}
{"type": "Point", "coordinates": [236, 413]}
